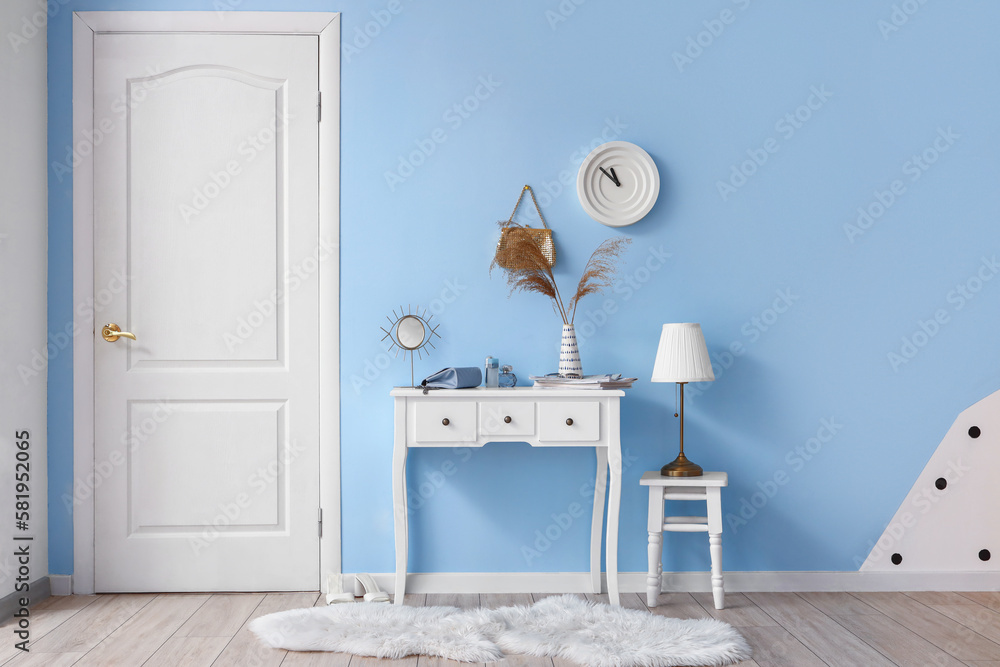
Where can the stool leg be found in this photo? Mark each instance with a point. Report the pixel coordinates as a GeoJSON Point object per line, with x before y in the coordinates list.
{"type": "Point", "coordinates": [715, 549]}
{"type": "Point", "coordinates": [655, 568]}
{"type": "Point", "coordinates": [714, 497]}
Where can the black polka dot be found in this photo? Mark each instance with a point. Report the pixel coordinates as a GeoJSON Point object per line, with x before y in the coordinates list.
{"type": "Point", "coordinates": [896, 559]}
{"type": "Point", "coordinates": [984, 554]}
{"type": "Point", "coordinates": [941, 483]}
{"type": "Point", "coordinates": [974, 432]}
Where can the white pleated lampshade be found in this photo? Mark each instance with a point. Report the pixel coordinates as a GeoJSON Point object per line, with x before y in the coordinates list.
{"type": "Point", "coordinates": [682, 355]}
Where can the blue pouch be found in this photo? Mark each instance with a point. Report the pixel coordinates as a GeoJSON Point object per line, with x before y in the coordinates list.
{"type": "Point", "coordinates": [454, 378]}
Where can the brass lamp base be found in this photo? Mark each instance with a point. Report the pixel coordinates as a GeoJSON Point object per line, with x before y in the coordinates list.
{"type": "Point", "coordinates": [681, 467]}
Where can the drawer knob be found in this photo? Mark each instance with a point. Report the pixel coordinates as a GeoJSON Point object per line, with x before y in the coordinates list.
{"type": "Point", "coordinates": [445, 421]}
{"type": "Point", "coordinates": [506, 420]}
{"type": "Point", "coordinates": [569, 422]}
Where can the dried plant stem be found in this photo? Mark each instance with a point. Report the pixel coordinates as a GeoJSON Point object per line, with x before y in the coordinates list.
{"type": "Point", "coordinates": [600, 271]}
{"type": "Point", "coordinates": [558, 300]}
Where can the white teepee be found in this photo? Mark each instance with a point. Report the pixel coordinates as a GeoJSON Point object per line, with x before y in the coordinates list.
{"type": "Point", "coordinates": [950, 520]}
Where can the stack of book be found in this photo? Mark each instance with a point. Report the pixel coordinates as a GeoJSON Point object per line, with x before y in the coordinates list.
{"type": "Point", "coordinates": [586, 382]}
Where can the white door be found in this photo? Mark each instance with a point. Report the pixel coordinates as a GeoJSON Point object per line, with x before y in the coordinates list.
{"type": "Point", "coordinates": [206, 248]}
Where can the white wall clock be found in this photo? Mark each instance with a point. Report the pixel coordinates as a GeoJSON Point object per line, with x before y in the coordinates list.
{"type": "Point", "coordinates": [618, 183]}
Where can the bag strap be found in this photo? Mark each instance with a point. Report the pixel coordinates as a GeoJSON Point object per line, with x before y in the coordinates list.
{"type": "Point", "coordinates": [534, 201]}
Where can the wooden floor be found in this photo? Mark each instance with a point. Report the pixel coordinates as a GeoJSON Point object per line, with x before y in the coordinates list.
{"type": "Point", "coordinates": [793, 629]}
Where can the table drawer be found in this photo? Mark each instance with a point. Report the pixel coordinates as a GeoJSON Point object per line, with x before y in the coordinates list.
{"type": "Point", "coordinates": [570, 421]}
{"type": "Point", "coordinates": [501, 418]}
{"type": "Point", "coordinates": [441, 421]}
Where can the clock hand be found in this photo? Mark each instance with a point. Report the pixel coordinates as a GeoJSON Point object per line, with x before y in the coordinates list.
{"type": "Point", "coordinates": [613, 178]}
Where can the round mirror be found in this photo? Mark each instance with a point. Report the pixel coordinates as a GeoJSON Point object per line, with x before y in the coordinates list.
{"type": "Point", "coordinates": [410, 332]}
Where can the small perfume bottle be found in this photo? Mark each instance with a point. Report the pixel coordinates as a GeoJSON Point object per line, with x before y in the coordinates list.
{"type": "Point", "coordinates": [492, 372]}
{"type": "Point", "coordinates": [507, 377]}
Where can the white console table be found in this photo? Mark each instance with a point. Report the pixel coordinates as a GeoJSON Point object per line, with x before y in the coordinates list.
{"type": "Point", "coordinates": [540, 417]}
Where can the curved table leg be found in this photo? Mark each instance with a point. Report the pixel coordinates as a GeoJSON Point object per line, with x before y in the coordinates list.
{"type": "Point", "coordinates": [399, 512]}
{"type": "Point", "coordinates": [597, 522]}
{"type": "Point", "coordinates": [614, 499]}
{"type": "Point", "coordinates": [614, 504]}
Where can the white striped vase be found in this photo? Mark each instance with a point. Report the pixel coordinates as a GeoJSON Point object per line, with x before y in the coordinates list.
{"type": "Point", "coordinates": [569, 353]}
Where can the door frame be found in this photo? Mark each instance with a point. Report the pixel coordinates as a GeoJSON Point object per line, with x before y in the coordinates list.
{"type": "Point", "coordinates": [86, 25]}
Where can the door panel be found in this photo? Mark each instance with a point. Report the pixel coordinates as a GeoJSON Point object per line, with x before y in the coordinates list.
{"type": "Point", "coordinates": [241, 440]}
{"type": "Point", "coordinates": [225, 180]}
{"type": "Point", "coordinates": [206, 196]}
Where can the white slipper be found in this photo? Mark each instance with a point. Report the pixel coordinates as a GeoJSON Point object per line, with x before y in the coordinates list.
{"type": "Point", "coordinates": [372, 592]}
{"type": "Point", "coordinates": [335, 590]}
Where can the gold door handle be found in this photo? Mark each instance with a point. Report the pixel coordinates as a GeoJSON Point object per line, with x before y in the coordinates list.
{"type": "Point", "coordinates": [112, 331]}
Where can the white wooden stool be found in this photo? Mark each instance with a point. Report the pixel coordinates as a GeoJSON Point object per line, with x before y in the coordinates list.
{"type": "Point", "coordinates": [707, 487]}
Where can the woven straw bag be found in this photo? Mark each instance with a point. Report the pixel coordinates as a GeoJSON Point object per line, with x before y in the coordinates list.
{"type": "Point", "coordinates": [508, 258]}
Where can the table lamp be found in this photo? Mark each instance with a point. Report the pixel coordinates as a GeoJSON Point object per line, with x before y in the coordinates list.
{"type": "Point", "coordinates": [682, 357]}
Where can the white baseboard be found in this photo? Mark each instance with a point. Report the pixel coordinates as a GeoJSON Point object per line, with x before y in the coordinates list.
{"type": "Point", "coordinates": [688, 582]}
{"type": "Point", "coordinates": [61, 584]}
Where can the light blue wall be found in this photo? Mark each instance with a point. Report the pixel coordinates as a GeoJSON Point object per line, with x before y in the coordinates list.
{"type": "Point", "coordinates": [428, 240]}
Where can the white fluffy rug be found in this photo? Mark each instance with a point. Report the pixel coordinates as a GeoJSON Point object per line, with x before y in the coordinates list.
{"type": "Point", "coordinates": [563, 626]}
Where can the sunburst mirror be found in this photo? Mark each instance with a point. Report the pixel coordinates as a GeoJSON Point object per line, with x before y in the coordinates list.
{"type": "Point", "coordinates": [411, 333]}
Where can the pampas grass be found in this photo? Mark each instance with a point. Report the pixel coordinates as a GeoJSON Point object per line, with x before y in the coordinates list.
{"type": "Point", "coordinates": [535, 275]}
{"type": "Point", "coordinates": [600, 271]}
